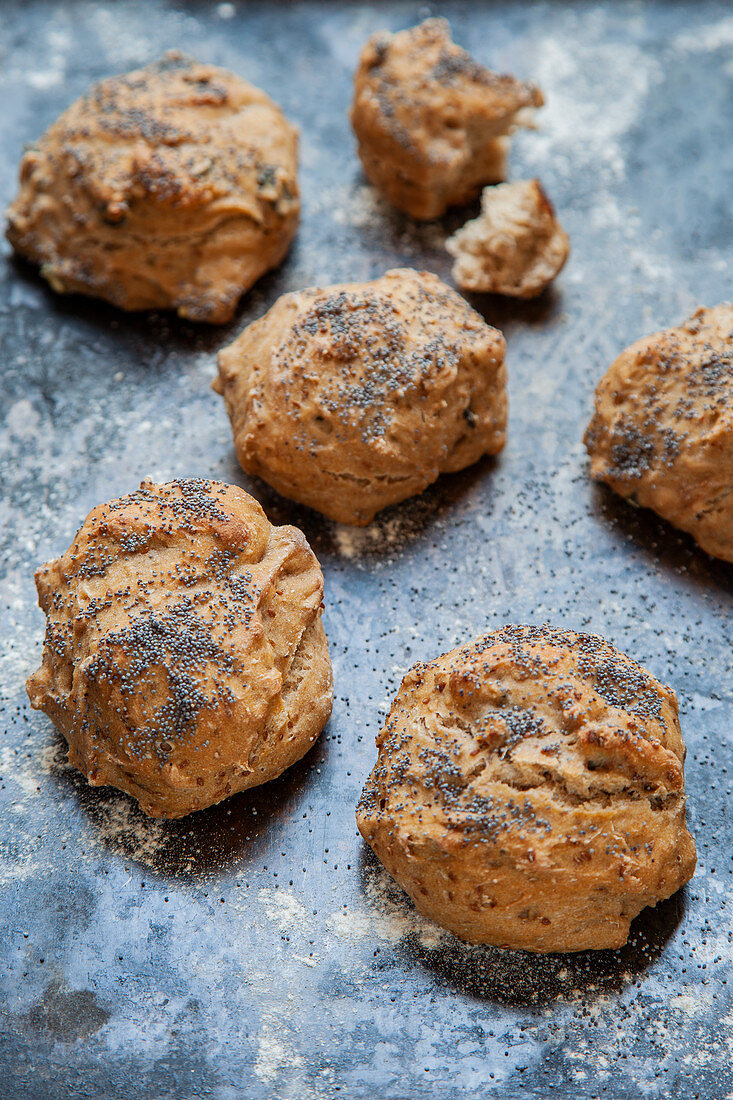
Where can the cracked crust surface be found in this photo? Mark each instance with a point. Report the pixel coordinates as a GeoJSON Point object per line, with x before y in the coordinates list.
{"type": "Point", "coordinates": [357, 396]}
{"type": "Point", "coordinates": [184, 658]}
{"type": "Point", "coordinates": [515, 247]}
{"type": "Point", "coordinates": [170, 187]}
{"type": "Point", "coordinates": [662, 431]}
{"type": "Point", "coordinates": [431, 123]}
{"type": "Point", "coordinates": [529, 791]}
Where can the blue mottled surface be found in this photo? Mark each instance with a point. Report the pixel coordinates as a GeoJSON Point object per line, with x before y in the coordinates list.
{"type": "Point", "coordinates": [256, 951]}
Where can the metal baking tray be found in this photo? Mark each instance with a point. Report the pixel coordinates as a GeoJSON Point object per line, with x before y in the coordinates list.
{"type": "Point", "coordinates": [257, 950]}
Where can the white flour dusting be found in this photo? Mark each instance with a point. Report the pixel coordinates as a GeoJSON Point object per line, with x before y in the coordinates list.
{"type": "Point", "coordinates": [272, 1054]}
{"type": "Point", "coordinates": [718, 36]}
{"type": "Point", "coordinates": [121, 825]}
{"type": "Point", "coordinates": [384, 535]}
{"type": "Point", "coordinates": [20, 768]}
{"type": "Point", "coordinates": [390, 916]}
{"type": "Point", "coordinates": [19, 869]}
{"type": "Point", "coordinates": [284, 909]}
{"type": "Point", "coordinates": [571, 131]}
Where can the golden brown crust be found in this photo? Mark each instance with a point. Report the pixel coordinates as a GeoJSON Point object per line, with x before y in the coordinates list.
{"type": "Point", "coordinates": [529, 791]}
{"type": "Point", "coordinates": [185, 657]}
{"type": "Point", "coordinates": [515, 247]}
{"type": "Point", "coordinates": [662, 431]}
{"type": "Point", "coordinates": [357, 396]}
{"type": "Point", "coordinates": [431, 123]}
{"type": "Point", "coordinates": [173, 186]}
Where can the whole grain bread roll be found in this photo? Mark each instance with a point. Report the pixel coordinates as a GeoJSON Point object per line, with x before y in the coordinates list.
{"type": "Point", "coordinates": [353, 397]}
{"type": "Point", "coordinates": [170, 187]}
{"type": "Point", "coordinates": [185, 658]}
{"type": "Point", "coordinates": [529, 791]}
{"type": "Point", "coordinates": [431, 123]}
{"type": "Point", "coordinates": [662, 430]}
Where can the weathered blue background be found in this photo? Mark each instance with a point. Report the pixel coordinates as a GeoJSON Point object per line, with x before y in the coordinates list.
{"type": "Point", "coordinates": [257, 950]}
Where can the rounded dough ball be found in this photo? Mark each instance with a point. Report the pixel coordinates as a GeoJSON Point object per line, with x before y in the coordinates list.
{"type": "Point", "coordinates": [171, 187]}
{"type": "Point", "coordinates": [431, 123]}
{"type": "Point", "coordinates": [185, 657]}
{"type": "Point", "coordinates": [529, 791]}
{"type": "Point", "coordinates": [515, 247]}
{"type": "Point", "coordinates": [357, 396]}
{"type": "Point", "coordinates": [662, 432]}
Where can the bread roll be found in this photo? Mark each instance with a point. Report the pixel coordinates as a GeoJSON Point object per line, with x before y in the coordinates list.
{"type": "Point", "coordinates": [529, 791]}
{"type": "Point", "coordinates": [185, 658]}
{"type": "Point", "coordinates": [170, 187]}
{"type": "Point", "coordinates": [662, 431]}
{"type": "Point", "coordinates": [357, 396]}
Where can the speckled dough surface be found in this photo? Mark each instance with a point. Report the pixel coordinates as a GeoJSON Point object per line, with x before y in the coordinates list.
{"type": "Point", "coordinates": [662, 432]}
{"type": "Point", "coordinates": [353, 397]}
{"type": "Point", "coordinates": [431, 123]}
{"type": "Point", "coordinates": [170, 187]}
{"type": "Point", "coordinates": [529, 791]}
{"type": "Point", "coordinates": [185, 657]}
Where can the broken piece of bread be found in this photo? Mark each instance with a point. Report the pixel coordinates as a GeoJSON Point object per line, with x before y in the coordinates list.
{"type": "Point", "coordinates": [515, 247]}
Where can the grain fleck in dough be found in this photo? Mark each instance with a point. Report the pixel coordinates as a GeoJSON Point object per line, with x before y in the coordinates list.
{"type": "Point", "coordinates": [185, 658]}
{"type": "Point", "coordinates": [432, 123]}
{"type": "Point", "coordinates": [170, 187]}
{"type": "Point", "coordinates": [515, 247]}
{"type": "Point", "coordinates": [662, 431]}
{"type": "Point", "coordinates": [529, 791]}
{"type": "Point", "coordinates": [357, 396]}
